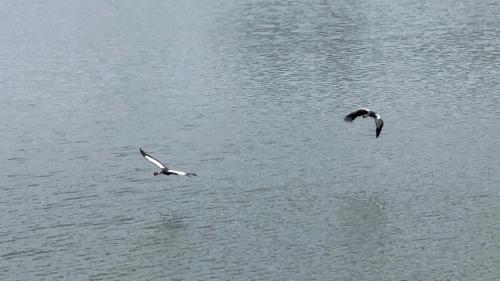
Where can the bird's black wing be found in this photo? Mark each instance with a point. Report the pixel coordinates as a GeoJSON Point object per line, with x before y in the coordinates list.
{"type": "Point", "coordinates": [379, 123]}
{"type": "Point", "coordinates": [151, 159]}
{"type": "Point", "coordinates": [360, 112]}
{"type": "Point", "coordinates": [373, 114]}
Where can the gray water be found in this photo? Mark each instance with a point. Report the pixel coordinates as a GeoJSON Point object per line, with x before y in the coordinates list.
{"type": "Point", "coordinates": [251, 96]}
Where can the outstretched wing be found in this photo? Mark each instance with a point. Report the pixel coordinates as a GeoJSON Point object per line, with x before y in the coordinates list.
{"type": "Point", "coordinates": [180, 173]}
{"type": "Point", "coordinates": [379, 123]}
{"type": "Point", "coordinates": [151, 159]}
{"type": "Point", "coordinates": [360, 112]}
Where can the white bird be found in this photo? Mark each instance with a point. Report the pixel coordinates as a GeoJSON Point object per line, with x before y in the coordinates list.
{"type": "Point", "coordinates": [164, 169]}
{"type": "Point", "coordinates": [379, 123]}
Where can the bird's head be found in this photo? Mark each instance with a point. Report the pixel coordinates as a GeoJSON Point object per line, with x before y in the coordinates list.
{"type": "Point", "coordinates": [156, 173]}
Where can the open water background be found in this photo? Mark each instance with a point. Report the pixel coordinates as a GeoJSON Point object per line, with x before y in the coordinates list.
{"type": "Point", "coordinates": [250, 95]}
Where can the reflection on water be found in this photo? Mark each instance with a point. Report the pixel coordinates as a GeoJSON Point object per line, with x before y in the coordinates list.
{"type": "Point", "coordinates": [362, 217]}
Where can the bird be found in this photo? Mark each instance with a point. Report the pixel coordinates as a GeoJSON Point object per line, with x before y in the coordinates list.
{"type": "Point", "coordinates": [379, 123]}
{"type": "Point", "coordinates": [164, 169]}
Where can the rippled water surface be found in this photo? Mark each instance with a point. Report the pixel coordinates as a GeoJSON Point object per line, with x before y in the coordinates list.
{"type": "Point", "coordinates": [251, 96]}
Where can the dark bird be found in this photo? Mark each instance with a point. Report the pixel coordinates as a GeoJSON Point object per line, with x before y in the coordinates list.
{"type": "Point", "coordinates": [379, 123]}
{"type": "Point", "coordinates": [164, 169]}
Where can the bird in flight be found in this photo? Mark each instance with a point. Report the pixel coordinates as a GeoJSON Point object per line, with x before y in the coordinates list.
{"type": "Point", "coordinates": [164, 169]}
{"type": "Point", "coordinates": [379, 123]}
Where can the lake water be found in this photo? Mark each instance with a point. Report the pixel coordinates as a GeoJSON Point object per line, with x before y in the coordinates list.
{"type": "Point", "coordinates": [250, 95]}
